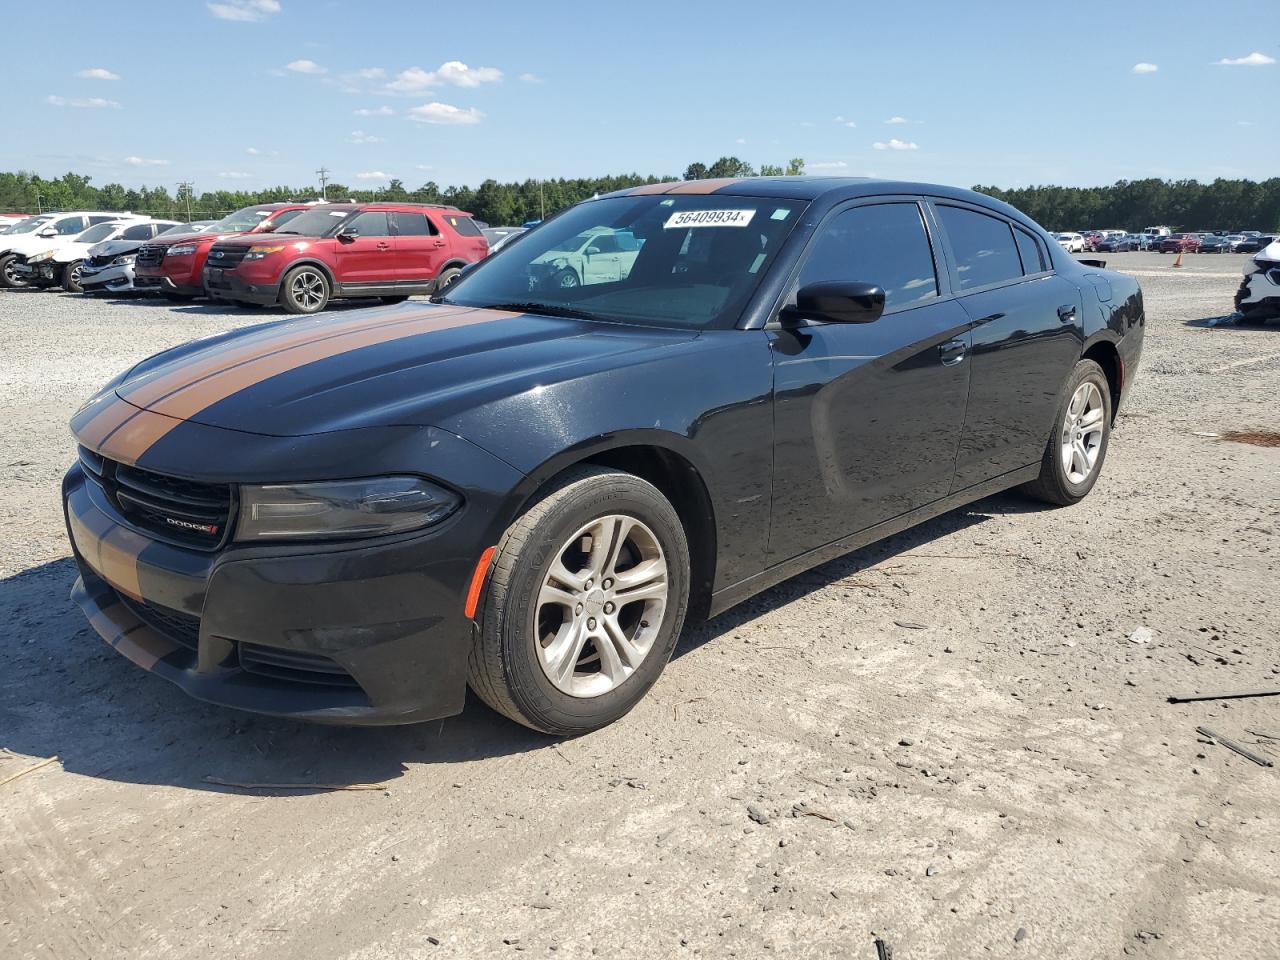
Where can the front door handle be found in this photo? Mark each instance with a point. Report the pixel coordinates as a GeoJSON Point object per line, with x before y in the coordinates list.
{"type": "Point", "coordinates": [952, 352]}
{"type": "Point", "coordinates": [384, 246]}
{"type": "Point", "coordinates": [1067, 312]}
{"type": "Point", "coordinates": [438, 243]}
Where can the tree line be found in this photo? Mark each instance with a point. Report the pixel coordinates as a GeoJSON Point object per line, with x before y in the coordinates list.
{"type": "Point", "coordinates": [1127, 204]}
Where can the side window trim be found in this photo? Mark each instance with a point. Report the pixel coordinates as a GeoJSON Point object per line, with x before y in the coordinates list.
{"type": "Point", "coordinates": [935, 202]}
{"type": "Point", "coordinates": [941, 269]}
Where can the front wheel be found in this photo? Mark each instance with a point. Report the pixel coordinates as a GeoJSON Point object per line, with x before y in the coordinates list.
{"type": "Point", "coordinates": [1078, 442]}
{"type": "Point", "coordinates": [585, 602]}
{"type": "Point", "coordinates": [71, 277]}
{"type": "Point", "coordinates": [9, 272]}
{"type": "Point", "coordinates": [304, 290]}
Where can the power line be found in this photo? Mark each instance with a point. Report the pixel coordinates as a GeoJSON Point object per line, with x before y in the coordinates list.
{"type": "Point", "coordinates": [323, 174]}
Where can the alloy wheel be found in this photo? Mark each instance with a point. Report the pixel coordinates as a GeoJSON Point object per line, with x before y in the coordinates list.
{"type": "Point", "coordinates": [1082, 429]}
{"type": "Point", "coordinates": [307, 289]}
{"type": "Point", "coordinates": [601, 606]}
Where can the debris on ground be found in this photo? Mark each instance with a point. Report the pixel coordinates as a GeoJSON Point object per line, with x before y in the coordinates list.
{"type": "Point", "coordinates": [1235, 747]}
{"type": "Point", "coordinates": [1236, 695]}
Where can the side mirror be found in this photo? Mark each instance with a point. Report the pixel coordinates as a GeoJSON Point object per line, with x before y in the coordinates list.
{"type": "Point", "coordinates": [348, 236]}
{"type": "Point", "coordinates": [837, 301]}
{"type": "Point", "coordinates": [47, 232]}
{"type": "Point", "coordinates": [593, 251]}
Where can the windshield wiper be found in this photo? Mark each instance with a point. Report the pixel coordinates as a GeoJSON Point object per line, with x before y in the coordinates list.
{"type": "Point", "coordinates": [548, 309]}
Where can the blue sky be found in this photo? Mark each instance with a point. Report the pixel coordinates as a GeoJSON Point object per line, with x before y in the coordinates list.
{"type": "Point", "coordinates": [252, 93]}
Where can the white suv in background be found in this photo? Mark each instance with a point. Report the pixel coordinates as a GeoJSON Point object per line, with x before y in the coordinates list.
{"type": "Point", "coordinates": [1070, 242]}
{"type": "Point", "coordinates": [17, 246]}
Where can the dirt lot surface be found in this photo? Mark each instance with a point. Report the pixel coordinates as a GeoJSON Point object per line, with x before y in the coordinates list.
{"type": "Point", "coordinates": [956, 740]}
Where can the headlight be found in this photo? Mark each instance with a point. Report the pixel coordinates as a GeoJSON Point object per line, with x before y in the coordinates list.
{"type": "Point", "coordinates": [258, 252]}
{"type": "Point", "coordinates": [181, 250]}
{"type": "Point", "coordinates": [121, 261]}
{"type": "Point", "coordinates": [342, 508]}
{"type": "Point", "coordinates": [47, 255]}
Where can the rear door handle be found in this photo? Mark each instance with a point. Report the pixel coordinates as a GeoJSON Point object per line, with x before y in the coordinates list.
{"type": "Point", "coordinates": [1067, 312]}
{"type": "Point", "coordinates": [951, 352]}
{"type": "Point", "coordinates": [439, 243]}
{"type": "Point", "coordinates": [384, 246]}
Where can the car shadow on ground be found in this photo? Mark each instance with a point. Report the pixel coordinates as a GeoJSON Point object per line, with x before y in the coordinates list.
{"type": "Point", "coordinates": [65, 693]}
{"type": "Point", "coordinates": [1226, 323]}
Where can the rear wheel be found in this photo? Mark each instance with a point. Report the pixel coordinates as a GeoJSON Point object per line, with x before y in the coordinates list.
{"type": "Point", "coordinates": [304, 290]}
{"type": "Point", "coordinates": [585, 603]}
{"type": "Point", "coordinates": [9, 273]}
{"type": "Point", "coordinates": [447, 277]}
{"type": "Point", "coordinates": [71, 277]}
{"type": "Point", "coordinates": [1078, 443]}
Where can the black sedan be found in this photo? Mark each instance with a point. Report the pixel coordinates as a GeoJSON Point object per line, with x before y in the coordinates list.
{"type": "Point", "coordinates": [528, 487]}
{"type": "Point", "coordinates": [1117, 244]}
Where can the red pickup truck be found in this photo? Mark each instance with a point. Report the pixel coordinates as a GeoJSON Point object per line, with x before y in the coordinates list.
{"type": "Point", "coordinates": [175, 266]}
{"type": "Point", "coordinates": [386, 250]}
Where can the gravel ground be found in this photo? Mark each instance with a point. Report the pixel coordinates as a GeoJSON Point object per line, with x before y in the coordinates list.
{"type": "Point", "coordinates": [952, 740]}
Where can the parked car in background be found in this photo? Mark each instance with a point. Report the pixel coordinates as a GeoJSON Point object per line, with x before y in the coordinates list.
{"type": "Point", "coordinates": [594, 256]}
{"type": "Point", "coordinates": [1251, 242]}
{"type": "Point", "coordinates": [348, 518]}
{"type": "Point", "coordinates": [1212, 243]}
{"type": "Point", "coordinates": [9, 219]}
{"type": "Point", "coordinates": [62, 264]}
{"type": "Point", "coordinates": [34, 236]}
{"type": "Point", "coordinates": [499, 237]}
{"type": "Point", "coordinates": [108, 266]}
{"type": "Point", "coordinates": [1258, 298]}
{"type": "Point", "coordinates": [174, 267]}
{"type": "Point", "coordinates": [17, 226]}
{"type": "Point", "coordinates": [387, 250]}
{"type": "Point", "coordinates": [1117, 243]}
{"type": "Point", "coordinates": [1156, 234]}
{"type": "Point", "coordinates": [1070, 242]}
{"type": "Point", "coordinates": [1179, 243]}
{"type": "Point", "coordinates": [1234, 240]}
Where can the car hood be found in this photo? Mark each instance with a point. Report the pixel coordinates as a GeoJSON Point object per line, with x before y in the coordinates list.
{"type": "Point", "coordinates": [412, 364]}
{"type": "Point", "coordinates": [113, 248]}
{"type": "Point", "coordinates": [28, 245]}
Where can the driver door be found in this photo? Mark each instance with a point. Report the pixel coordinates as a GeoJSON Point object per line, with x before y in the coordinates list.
{"type": "Point", "coordinates": [868, 416]}
{"type": "Point", "coordinates": [368, 256]}
{"type": "Point", "coordinates": [602, 260]}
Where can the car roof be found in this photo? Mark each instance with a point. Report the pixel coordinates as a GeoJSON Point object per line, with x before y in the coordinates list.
{"type": "Point", "coordinates": [391, 205]}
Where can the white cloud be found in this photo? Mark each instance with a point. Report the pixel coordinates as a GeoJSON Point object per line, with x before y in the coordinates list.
{"type": "Point", "coordinates": [305, 66]}
{"type": "Point", "coordinates": [374, 112]}
{"type": "Point", "coordinates": [1145, 68]}
{"type": "Point", "coordinates": [253, 151]}
{"type": "Point", "coordinates": [828, 165]}
{"type": "Point", "coordinates": [359, 136]}
{"type": "Point", "coordinates": [844, 121]}
{"type": "Point", "coordinates": [1254, 59]}
{"type": "Point", "coordinates": [88, 103]}
{"type": "Point", "coordinates": [741, 140]}
{"type": "Point", "coordinates": [895, 144]}
{"type": "Point", "coordinates": [244, 11]}
{"type": "Point", "coordinates": [235, 175]}
{"type": "Point", "coordinates": [423, 166]}
{"type": "Point", "coordinates": [530, 78]}
{"type": "Point", "coordinates": [445, 113]}
{"type": "Point", "coordinates": [98, 73]}
{"type": "Point", "coordinates": [454, 72]}
{"type": "Point", "coordinates": [897, 120]}
{"type": "Point", "coordinates": [372, 73]}
{"type": "Point", "coordinates": [373, 175]}
{"type": "Point", "coordinates": [144, 162]}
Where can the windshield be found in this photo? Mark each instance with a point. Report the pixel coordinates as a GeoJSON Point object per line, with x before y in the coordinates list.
{"type": "Point", "coordinates": [242, 220]}
{"type": "Point", "coordinates": [315, 222]}
{"type": "Point", "coordinates": [198, 226]}
{"type": "Point", "coordinates": [97, 233]}
{"type": "Point", "coordinates": [676, 261]}
{"type": "Point", "coordinates": [27, 226]}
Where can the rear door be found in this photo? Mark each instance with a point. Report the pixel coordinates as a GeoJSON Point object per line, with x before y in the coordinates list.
{"type": "Point", "coordinates": [420, 249]}
{"type": "Point", "coordinates": [867, 416]}
{"type": "Point", "coordinates": [1026, 339]}
{"type": "Point", "coordinates": [367, 256]}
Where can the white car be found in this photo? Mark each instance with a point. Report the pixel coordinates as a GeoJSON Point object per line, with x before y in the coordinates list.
{"type": "Point", "coordinates": [598, 255]}
{"type": "Point", "coordinates": [62, 263]}
{"type": "Point", "coordinates": [1070, 242]}
{"type": "Point", "coordinates": [1258, 298]}
{"type": "Point", "coordinates": [109, 266]}
{"type": "Point", "coordinates": [31, 238]}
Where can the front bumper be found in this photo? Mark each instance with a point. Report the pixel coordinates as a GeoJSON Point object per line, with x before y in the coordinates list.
{"type": "Point", "coordinates": [117, 278]}
{"type": "Point", "coordinates": [353, 633]}
{"type": "Point", "coordinates": [228, 285]}
{"type": "Point", "coordinates": [1259, 292]}
{"type": "Point", "coordinates": [160, 283]}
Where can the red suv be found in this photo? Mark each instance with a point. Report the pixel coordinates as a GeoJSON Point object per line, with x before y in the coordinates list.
{"type": "Point", "coordinates": [387, 250]}
{"type": "Point", "coordinates": [175, 267]}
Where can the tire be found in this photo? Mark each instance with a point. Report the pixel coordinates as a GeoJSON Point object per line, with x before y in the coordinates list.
{"type": "Point", "coordinates": [1056, 484]}
{"type": "Point", "coordinates": [566, 279]}
{"type": "Point", "coordinates": [447, 277]}
{"type": "Point", "coordinates": [7, 277]}
{"type": "Point", "coordinates": [512, 661]}
{"type": "Point", "coordinates": [392, 301]}
{"type": "Point", "coordinates": [71, 277]}
{"type": "Point", "coordinates": [305, 289]}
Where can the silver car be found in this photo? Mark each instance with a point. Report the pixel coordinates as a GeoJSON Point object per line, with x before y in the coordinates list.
{"type": "Point", "coordinates": [109, 266]}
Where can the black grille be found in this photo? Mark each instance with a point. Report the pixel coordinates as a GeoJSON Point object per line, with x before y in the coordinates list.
{"type": "Point", "coordinates": [177, 626]}
{"type": "Point", "coordinates": [182, 511]}
{"type": "Point", "coordinates": [294, 665]}
{"type": "Point", "coordinates": [102, 261]}
{"type": "Point", "coordinates": [227, 257]}
{"type": "Point", "coordinates": [150, 254]}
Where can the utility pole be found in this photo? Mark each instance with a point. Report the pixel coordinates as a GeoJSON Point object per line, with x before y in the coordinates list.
{"type": "Point", "coordinates": [184, 190]}
{"type": "Point", "coordinates": [542, 202]}
{"type": "Point", "coordinates": [323, 174]}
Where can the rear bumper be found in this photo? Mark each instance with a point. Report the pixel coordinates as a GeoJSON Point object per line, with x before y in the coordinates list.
{"type": "Point", "coordinates": [373, 633]}
{"type": "Point", "coordinates": [227, 285]}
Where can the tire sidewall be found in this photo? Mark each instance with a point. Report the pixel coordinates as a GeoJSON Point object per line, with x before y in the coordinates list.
{"type": "Point", "coordinates": [286, 292]}
{"type": "Point", "coordinates": [535, 695]}
{"type": "Point", "coordinates": [1086, 370]}
{"type": "Point", "coordinates": [69, 282]}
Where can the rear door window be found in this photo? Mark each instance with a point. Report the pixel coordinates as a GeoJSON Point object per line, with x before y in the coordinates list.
{"type": "Point", "coordinates": [984, 248]}
{"type": "Point", "coordinates": [1029, 249]}
{"type": "Point", "coordinates": [412, 225]}
{"type": "Point", "coordinates": [463, 225]}
{"type": "Point", "coordinates": [884, 244]}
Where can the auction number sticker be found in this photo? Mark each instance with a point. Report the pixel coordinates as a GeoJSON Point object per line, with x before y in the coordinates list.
{"type": "Point", "coordinates": [708, 218]}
